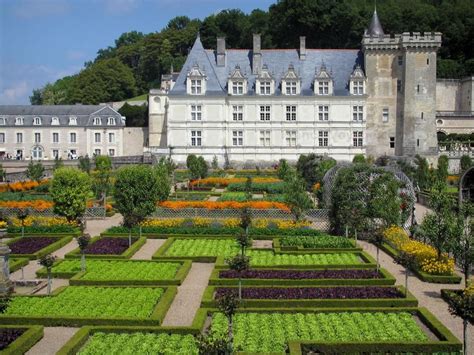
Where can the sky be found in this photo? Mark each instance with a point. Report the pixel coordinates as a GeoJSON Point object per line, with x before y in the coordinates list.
{"type": "Point", "coordinates": [44, 40]}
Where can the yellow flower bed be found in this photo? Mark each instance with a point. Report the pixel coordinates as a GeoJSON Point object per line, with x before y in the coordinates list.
{"type": "Point", "coordinates": [425, 255]}
{"type": "Point", "coordinates": [42, 221]}
{"type": "Point", "coordinates": [280, 223]}
{"type": "Point", "coordinates": [3, 224]}
{"type": "Point", "coordinates": [231, 222]}
{"type": "Point", "coordinates": [171, 222]}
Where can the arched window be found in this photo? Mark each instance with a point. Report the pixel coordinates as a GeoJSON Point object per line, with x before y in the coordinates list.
{"type": "Point", "coordinates": [111, 121]}
{"type": "Point", "coordinates": [37, 121]}
{"type": "Point", "coordinates": [19, 121]}
{"type": "Point", "coordinates": [96, 121]}
{"type": "Point", "coordinates": [72, 121]}
{"type": "Point", "coordinates": [55, 121]}
{"type": "Point", "coordinates": [37, 153]}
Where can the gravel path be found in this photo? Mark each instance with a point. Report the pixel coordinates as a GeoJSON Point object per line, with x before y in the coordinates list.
{"type": "Point", "coordinates": [96, 226]}
{"type": "Point", "coordinates": [188, 300]}
{"type": "Point", "coordinates": [54, 338]}
{"type": "Point", "coordinates": [428, 294]}
{"type": "Point", "coordinates": [262, 244]}
{"type": "Point", "coordinates": [148, 249]}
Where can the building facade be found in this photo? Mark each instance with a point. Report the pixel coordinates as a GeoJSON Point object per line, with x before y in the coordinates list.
{"type": "Point", "coordinates": [63, 131]}
{"type": "Point", "coordinates": [262, 105]}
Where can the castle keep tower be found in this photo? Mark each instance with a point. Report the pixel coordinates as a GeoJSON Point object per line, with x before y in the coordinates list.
{"type": "Point", "coordinates": [401, 104]}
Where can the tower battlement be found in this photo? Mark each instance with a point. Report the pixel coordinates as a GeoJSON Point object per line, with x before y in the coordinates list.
{"type": "Point", "coordinates": [402, 41]}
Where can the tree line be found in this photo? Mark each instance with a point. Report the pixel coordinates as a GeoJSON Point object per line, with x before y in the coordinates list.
{"type": "Point", "coordinates": [136, 61]}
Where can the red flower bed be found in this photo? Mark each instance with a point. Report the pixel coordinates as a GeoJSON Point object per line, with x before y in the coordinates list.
{"type": "Point", "coordinates": [109, 246]}
{"type": "Point", "coordinates": [8, 336]}
{"type": "Point", "coordinates": [30, 245]}
{"type": "Point", "coordinates": [301, 274]}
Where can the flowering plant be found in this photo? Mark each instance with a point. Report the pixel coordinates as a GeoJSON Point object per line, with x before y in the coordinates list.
{"type": "Point", "coordinates": [220, 205]}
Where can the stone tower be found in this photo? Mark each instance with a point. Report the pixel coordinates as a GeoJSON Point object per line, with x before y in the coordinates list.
{"type": "Point", "coordinates": [401, 103]}
{"type": "Point", "coordinates": [157, 107]}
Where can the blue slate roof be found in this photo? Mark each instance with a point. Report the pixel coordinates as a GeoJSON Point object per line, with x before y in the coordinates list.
{"type": "Point", "coordinates": [340, 62]}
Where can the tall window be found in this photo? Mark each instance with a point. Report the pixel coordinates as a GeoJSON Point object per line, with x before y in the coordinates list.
{"type": "Point", "coordinates": [72, 137]}
{"type": "Point", "coordinates": [265, 87]}
{"type": "Point", "coordinates": [265, 112]}
{"type": "Point", "coordinates": [291, 113]}
{"type": "Point", "coordinates": [237, 88]}
{"type": "Point", "coordinates": [72, 121]}
{"type": "Point", "coordinates": [55, 153]}
{"type": "Point", "coordinates": [19, 137]}
{"type": "Point", "coordinates": [54, 121]}
{"type": "Point", "coordinates": [2, 137]}
{"type": "Point", "coordinates": [97, 151]}
{"type": "Point", "coordinates": [392, 142]}
{"type": "Point", "coordinates": [399, 86]}
{"type": "Point", "coordinates": [96, 121]}
{"type": "Point", "coordinates": [55, 137]}
{"type": "Point", "coordinates": [265, 138]}
{"type": "Point", "coordinates": [358, 87]}
{"type": "Point", "coordinates": [323, 88]}
{"type": "Point", "coordinates": [291, 87]}
{"type": "Point", "coordinates": [290, 138]}
{"type": "Point", "coordinates": [111, 121]}
{"type": "Point", "coordinates": [385, 115]}
{"type": "Point", "coordinates": [238, 138]}
{"type": "Point", "coordinates": [37, 153]}
{"type": "Point", "coordinates": [196, 112]}
{"type": "Point", "coordinates": [237, 112]}
{"type": "Point", "coordinates": [111, 137]}
{"type": "Point", "coordinates": [196, 138]}
{"type": "Point", "coordinates": [111, 152]}
{"type": "Point", "coordinates": [196, 86]}
{"type": "Point", "coordinates": [400, 60]}
{"type": "Point", "coordinates": [2, 121]}
{"type": "Point", "coordinates": [358, 113]}
{"type": "Point", "coordinates": [37, 137]}
{"type": "Point", "coordinates": [97, 137]}
{"type": "Point", "coordinates": [323, 138]}
{"type": "Point", "coordinates": [357, 138]}
{"type": "Point", "coordinates": [323, 112]}
{"type": "Point", "coordinates": [37, 121]}
{"type": "Point", "coordinates": [19, 121]}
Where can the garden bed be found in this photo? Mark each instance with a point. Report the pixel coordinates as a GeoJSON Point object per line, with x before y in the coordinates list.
{"type": "Point", "coordinates": [120, 272]}
{"type": "Point", "coordinates": [34, 247]}
{"type": "Point", "coordinates": [326, 296]}
{"type": "Point", "coordinates": [279, 277]}
{"type": "Point", "coordinates": [17, 263]}
{"type": "Point", "coordinates": [16, 339]}
{"type": "Point", "coordinates": [89, 305]}
{"type": "Point", "coordinates": [109, 248]}
{"type": "Point", "coordinates": [314, 243]}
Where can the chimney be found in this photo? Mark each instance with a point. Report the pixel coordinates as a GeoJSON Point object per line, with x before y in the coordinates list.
{"type": "Point", "coordinates": [220, 53]}
{"type": "Point", "coordinates": [257, 54]}
{"type": "Point", "coordinates": [302, 48]}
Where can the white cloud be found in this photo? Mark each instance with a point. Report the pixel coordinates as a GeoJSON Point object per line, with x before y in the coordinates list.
{"type": "Point", "coordinates": [15, 93]}
{"type": "Point", "coordinates": [28, 9]}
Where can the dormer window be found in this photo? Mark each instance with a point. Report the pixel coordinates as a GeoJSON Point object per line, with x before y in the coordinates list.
{"type": "Point", "coordinates": [265, 85]}
{"type": "Point", "coordinates": [111, 121]}
{"type": "Point", "coordinates": [357, 82]}
{"type": "Point", "coordinates": [196, 81]}
{"type": "Point", "coordinates": [54, 121]}
{"type": "Point", "coordinates": [37, 121]}
{"type": "Point", "coordinates": [323, 82]}
{"type": "Point", "coordinates": [2, 121]}
{"type": "Point", "coordinates": [237, 84]}
{"type": "Point", "coordinates": [96, 121]}
{"type": "Point", "coordinates": [19, 121]}
{"type": "Point", "coordinates": [290, 82]}
{"type": "Point", "coordinates": [72, 121]}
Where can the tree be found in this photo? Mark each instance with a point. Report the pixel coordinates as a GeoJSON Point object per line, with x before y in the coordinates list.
{"type": "Point", "coordinates": [203, 168]}
{"type": "Point", "coordinates": [101, 176]}
{"type": "Point", "coordinates": [422, 175]}
{"type": "Point", "coordinates": [2, 173]}
{"type": "Point", "coordinates": [22, 215]}
{"type": "Point", "coordinates": [283, 169]}
{"type": "Point", "coordinates": [137, 116]}
{"type": "Point", "coordinates": [215, 163]}
{"type": "Point", "coordinates": [462, 306]}
{"type": "Point", "coordinates": [83, 241]}
{"type": "Point", "coordinates": [36, 97]}
{"type": "Point", "coordinates": [85, 164]}
{"type": "Point", "coordinates": [163, 171]}
{"type": "Point", "coordinates": [70, 190]}
{"type": "Point", "coordinates": [295, 195]}
{"type": "Point", "coordinates": [193, 166]}
{"type": "Point", "coordinates": [228, 304]}
{"type": "Point", "coordinates": [239, 264]}
{"type": "Point", "coordinates": [463, 246]}
{"type": "Point", "coordinates": [47, 261]}
{"type": "Point", "coordinates": [465, 163]}
{"type": "Point", "coordinates": [408, 261]}
{"type": "Point", "coordinates": [443, 165]}
{"type": "Point", "coordinates": [248, 188]}
{"type": "Point", "coordinates": [35, 171]}
{"type": "Point", "coordinates": [359, 159]}
{"type": "Point", "coordinates": [136, 193]}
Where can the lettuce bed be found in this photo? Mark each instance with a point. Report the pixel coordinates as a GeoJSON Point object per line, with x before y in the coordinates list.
{"type": "Point", "coordinates": [301, 274]}
{"type": "Point", "coordinates": [89, 302]}
{"type": "Point", "coordinates": [139, 343]}
{"type": "Point", "coordinates": [271, 332]}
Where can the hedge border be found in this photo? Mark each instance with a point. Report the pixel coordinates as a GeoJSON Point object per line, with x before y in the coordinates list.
{"type": "Point", "coordinates": [386, 280]}
{"type": "Point", "coordinates": [76, 232]}
{"type": "Point", "coordinates": [156, 317]}
{"type": "Point", "coordinates": [17, 263]}
{"type": "Point", "coordinates": [75, 277]}
{"type": "Point", "coordinates": [25, 341]}
{"type": "Point", "coordinates": [297, 249]}
{"type": "Point", "coordinates": [423, 276]}
{"type": "Point", "coordinates": [208, 300]}
{"type": "Point", "coordinates": [62, 241]}
{"type": "Point", "coordinates": [127, 254]}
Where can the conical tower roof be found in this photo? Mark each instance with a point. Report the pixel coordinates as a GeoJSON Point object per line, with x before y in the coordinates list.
{"type": "Point", "coordinates": [375, 27]}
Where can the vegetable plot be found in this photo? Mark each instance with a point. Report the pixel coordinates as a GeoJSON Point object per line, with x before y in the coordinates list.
{"type": "Point", "coordinates": [109, 246]}
{"type": "Point", "coordinates": [300, 274]}
{"type": "Point", "coordinates": [30, 245]}
{"type": "Point", "coordinates": [323, 241]}
{"type": "Point", "coordinates": [8, 336]}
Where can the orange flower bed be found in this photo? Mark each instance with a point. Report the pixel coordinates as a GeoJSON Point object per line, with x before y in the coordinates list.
{"type": "Point", "coordinates": [21, 186]}
{"type": "Point", "coordinates": [38, 205]}
{"type": "Point", "coordinates": [217, 181]}
{"type": "Point", "coordinates": [220, 205]}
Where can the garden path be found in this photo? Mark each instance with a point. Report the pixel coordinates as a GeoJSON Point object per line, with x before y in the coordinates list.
{"type": "Point", "coordinates": [420, 212]}
{"type": "Point", "coordinates": [148, 249]}
{"type": "Point", "coordinates": [54, 338]}
{"type": "Point", "coordinates": [428, 294]}
{"type": "Point", "coordinates": [188, 300]}
{"type": "Point", "coordinates": [262, 244]}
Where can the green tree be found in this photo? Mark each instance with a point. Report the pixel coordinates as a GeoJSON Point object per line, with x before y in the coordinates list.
{"type": "Point", "coordinates": [136, 193]}
{"type": "Point", "coordinates": [36, 97]}
{"type": "Point", "coordinates": [83, 242]}
{"type": "Point", "coordinates": [422, 174]}
{"type": "Point", "coordinates": [47, 261]}
{"type": "Point", "coordinates": [248, 188]}
{"type": "Point", "coordinates": [102, 176]}
{"type": "Point", "coordinates": [228, 305]}
{"type": "Point", "coordinates": [295, 195]}
{"type": "Point", "coordinates": [35, 171]}
{"type": "Point", "coordinates": [136, 116]}
{"type": "Point", "coordinates": [69, 190]}
{"type": "Point", "coordinates": [443, 165]}
{"type": "Point", "coordinates": [465, 163]}
{"type": "Point", "coordinates": [462, 306]}
{"type": "Point", "coordinates": [463, 246]}
{"type": "Point", "coordinates": [163, 172]}
{"type": "Point", "coordinates": [215, 163]}
{"type": "Point", "coordinates": [203, 168]}
{"type": "Point", "coordinates": [239, 263]}
{"type": "Point", "coordinates": [193, 166]}
{"type": "Point", "coordinates": [359, 159]}
{"type": "Point", "coordinates": [408, 261]}
{"type": "Point", "coordinates": [313, 168]}
{"type": "Point", "coordinates": [85, 163]}
{"type": "Point", "coordinates": [283, 169]}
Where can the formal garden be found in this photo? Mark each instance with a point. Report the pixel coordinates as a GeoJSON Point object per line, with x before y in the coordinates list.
{"type": "Point", "coordinates": [289, 259]}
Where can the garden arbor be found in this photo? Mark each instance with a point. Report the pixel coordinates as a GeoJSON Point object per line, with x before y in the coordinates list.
{"type": "Point", "coordinates": [466, 186]}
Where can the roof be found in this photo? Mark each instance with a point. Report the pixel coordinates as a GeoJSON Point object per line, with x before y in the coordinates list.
{"type": "Point", "coordinates": [84, 114]}
{"type": "Point", "coordinates": [375, 28]}
{"type": "Point", "coordinates": [341, 63]}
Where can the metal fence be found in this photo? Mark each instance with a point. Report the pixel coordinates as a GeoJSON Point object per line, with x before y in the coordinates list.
{"type": "Point", "coordinates": [91, 212]}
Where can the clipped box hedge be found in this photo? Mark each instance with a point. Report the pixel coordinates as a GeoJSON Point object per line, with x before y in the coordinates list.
{"type": "Point", "coordinates": [208, 301]}
{"type": "Point", "coordinates": [76, 278]}
{"type": "Point", "coordinates": [17, 263]}
{"type": "Point", "coordinates": [157, 316]}
{"type": "Point", "coordinates": [291, 249]}
{"type": "Point", "coordinates": [24, 342]}
{"type": "Point", "coordinates": [127, 254]}
{"type": "Point", "coordinates": [62, 240]}
{"type": "Point", "coordinates": [215, 280]}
